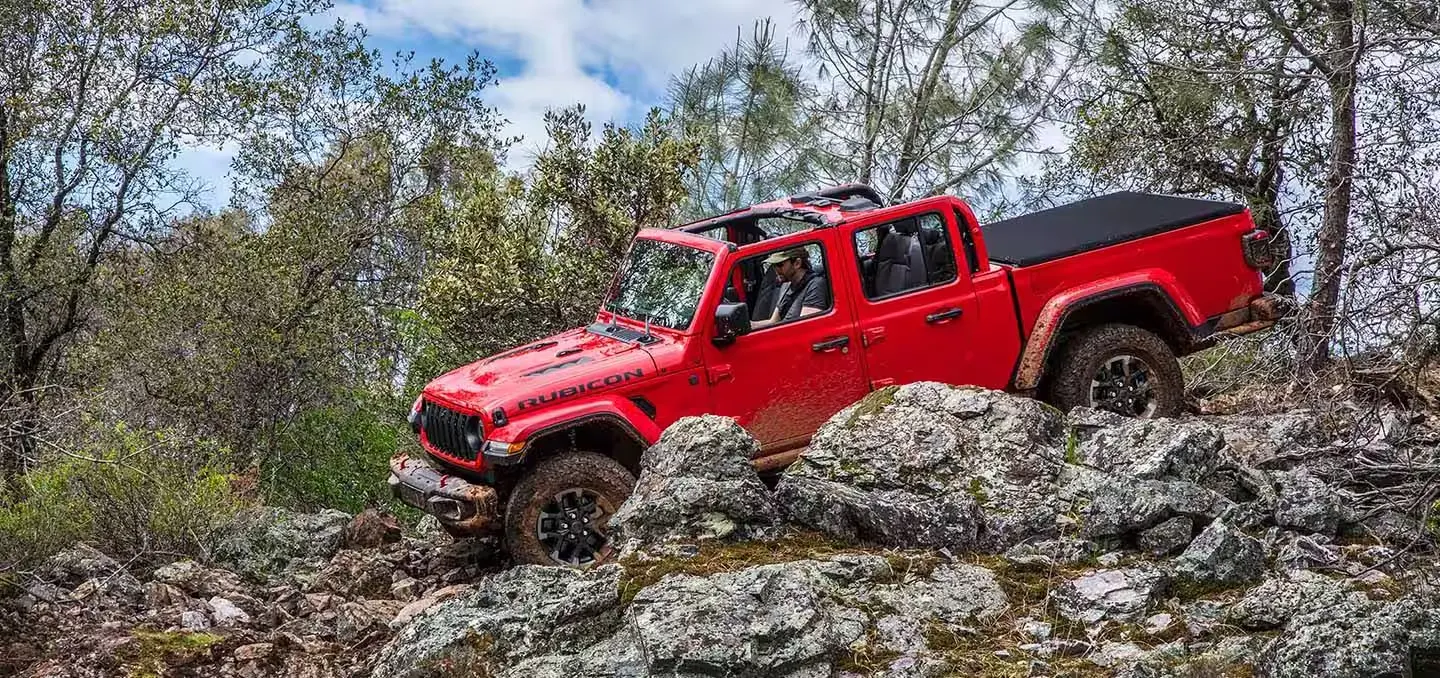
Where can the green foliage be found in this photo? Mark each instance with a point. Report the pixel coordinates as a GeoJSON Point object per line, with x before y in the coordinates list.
{"type": "Point", "coordinates": [334, 457]}
{"type": "Point", "coordinates": [129, 493]}
{"type": "Point", "coordinates": [749, 109]}
{"type": "Point", "coordinates": [514, 260]}
{"type": "Point", "coordinates": [153, 651]}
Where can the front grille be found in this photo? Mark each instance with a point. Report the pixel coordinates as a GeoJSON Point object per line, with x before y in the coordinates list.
{"type": "Point", "coordinates": [445, 430]}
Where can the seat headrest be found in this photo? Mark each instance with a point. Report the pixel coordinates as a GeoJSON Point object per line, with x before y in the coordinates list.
{"type": "Point", "coordinates": [909, 226]}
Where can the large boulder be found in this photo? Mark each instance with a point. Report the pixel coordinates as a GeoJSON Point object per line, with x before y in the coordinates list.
{"type": "Point", "coordinates": [697, 482]}
{"type": "Point", "coordinates": [1111, 505]}
{"type": "Point", "coordinates": [766, 620]}
{"type": "Point", "coordinates": [1149, 449]}
{"type": "Point", "coordinates": [1325, 628]}
{"type": "Point", "coordinates": [1258, 439]}
{"type": "Point", "coordinates": [930, 465]}
{"type": "Point", "coordinates": [524, 612]}
{"type": "Point", "coordinates": [276, 539]}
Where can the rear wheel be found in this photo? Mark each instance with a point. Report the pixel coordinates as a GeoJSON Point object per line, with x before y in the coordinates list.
{"type": "Point", "coordinates": [1120, 368]}
{"type": "Point", "coordinates": [559, 513]}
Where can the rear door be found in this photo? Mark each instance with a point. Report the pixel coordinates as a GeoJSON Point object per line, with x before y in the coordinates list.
{"type": "Point", "coordinates": [783, 381]}
{"type": "Point", "coordinates": [920, 326]}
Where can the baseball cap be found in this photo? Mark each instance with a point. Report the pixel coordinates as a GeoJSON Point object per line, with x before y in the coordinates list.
{"type": "Point", "coordinates": [786, 255]}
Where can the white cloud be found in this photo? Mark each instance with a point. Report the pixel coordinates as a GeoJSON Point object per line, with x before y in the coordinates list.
{"type": "Point", "coordinates": [614, 56]}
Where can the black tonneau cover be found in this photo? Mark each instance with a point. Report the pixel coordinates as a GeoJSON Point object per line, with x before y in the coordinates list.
{"type": "Point", "coordinates": [1091, 224]}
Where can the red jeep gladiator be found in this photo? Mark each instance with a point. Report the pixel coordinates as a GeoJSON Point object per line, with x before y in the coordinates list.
{"type": "Point", "coordinates": [783, 313]}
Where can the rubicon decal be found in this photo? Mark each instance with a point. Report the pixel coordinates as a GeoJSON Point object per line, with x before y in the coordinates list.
{"type": "Point", "coordinates": [571, 391]}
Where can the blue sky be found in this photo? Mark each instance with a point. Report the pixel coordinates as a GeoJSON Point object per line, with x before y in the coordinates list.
{"type": "Point", "coordinates": [614, 56]}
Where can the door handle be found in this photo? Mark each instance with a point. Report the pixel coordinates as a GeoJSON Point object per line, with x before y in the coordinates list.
{"type": "Point", "coordinates": [942, 316]}
{"type": "Point", "coordinates": [830, 344]}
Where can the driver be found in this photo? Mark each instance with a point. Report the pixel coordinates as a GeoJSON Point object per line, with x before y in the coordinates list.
{"type": "Point", "coordinates": [804, 292]}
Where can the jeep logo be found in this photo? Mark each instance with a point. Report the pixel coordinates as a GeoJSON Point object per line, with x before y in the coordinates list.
{"type": "Point", "coordinates": [570, 391]}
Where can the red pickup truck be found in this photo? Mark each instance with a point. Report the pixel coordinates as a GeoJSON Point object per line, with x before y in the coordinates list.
{"type": "Point", "coordinates": [783, 313]}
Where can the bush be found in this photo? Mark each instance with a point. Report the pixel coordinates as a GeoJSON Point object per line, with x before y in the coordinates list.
{"type": "Point", "coordinates": [335, 457]}
{"type": "Point", "coordinates": [130, 493]}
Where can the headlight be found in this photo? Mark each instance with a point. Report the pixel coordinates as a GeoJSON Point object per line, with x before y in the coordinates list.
{"type": "Point", "coordinates": [417, 415]}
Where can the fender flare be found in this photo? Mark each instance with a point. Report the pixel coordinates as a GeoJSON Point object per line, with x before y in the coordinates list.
{"type": "Point", "coordinates": [1033, 359]}
{"type": "Point", "coordinates": [609, 408]}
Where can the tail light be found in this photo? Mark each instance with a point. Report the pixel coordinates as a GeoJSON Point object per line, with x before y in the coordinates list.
{"type": "Point", "coordinates": [1258, 255]}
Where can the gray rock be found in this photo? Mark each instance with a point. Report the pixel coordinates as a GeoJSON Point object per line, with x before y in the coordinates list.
{"type": "Point", "coordinates": [91, 573]}
{"type": "Point", "coordinates": [406, 589]}
{"type": "Point", "coordinates": [1114, 505]}
{"type": "Point", "coordinates": [765, 620]}
{"type": "Point", "coordinates": [697, 482]}
{"type": "Point", "coordinates": [355, 620]}
{"type": "Point", "coordinates": [954, 594]}
{"type": "Point", "coordinates": [890, 517]}
{"type": "Point", "coordinates": [226, 613]}
{"type": "Point", "coordinates": [1120, 595]}
{"type": "Point", "coordinates": [1221, 556]}
{"type": "Point", "coordinates": [1300, 551]}
{"type": "Point", "coordinates": [1277, 600]}
{"type": "Point", "coordinates": [1358, 638]}
{"type": "Point", "coordinates": [1254, 439]}
{"type": "Point", "coordinates": [1306, 503]}
{"type": "Point", "coordinates": [1035, 629]}
{"type": "Point", "coordinates": [1168, 537]}
{"type": "Point", "coordinates": [194, 620]}
{"type": "Point", "coordinates": [930, 465]}
{"type": "Point", "coordinates": [901, 634]}
{"type": "Point", "coordinates": [198, 580]}
{"type": "Point", "coordinates": [1061, 551]}
{"type": "Point", "coordinates": [276, 537]}
{"type": "Point", "coordinates": [1157, 624]}
{"type": "Point", "coordinates": [523, 613]}
{"type": "Point", "coordinates": [1149, 449]}
{"type": "Point", "coordinates": [1113, 655]}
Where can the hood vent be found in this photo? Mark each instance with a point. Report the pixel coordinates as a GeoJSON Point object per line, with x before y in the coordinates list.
{"type": "Point", "coordinates": [558, 366]}
{"type": "Point", "coordinates": [523, 349]}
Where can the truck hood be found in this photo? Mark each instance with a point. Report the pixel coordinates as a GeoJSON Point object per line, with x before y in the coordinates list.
{"type": "Point", "coordinates": [541, 372]}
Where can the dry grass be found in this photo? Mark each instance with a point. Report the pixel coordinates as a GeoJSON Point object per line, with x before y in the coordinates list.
{"type": "Point", "coordinates": [720, 557]}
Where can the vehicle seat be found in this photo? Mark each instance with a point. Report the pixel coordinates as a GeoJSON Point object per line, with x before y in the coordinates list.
{"type": "Point", "coordinates": [939, 261]}
{"type": "Point", "coordinates": [766, 297]}
{"type": "Point", "coordinates": [900, 260]}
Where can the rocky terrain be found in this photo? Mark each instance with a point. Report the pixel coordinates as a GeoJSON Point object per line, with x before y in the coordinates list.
{"type": "Point", "coordinates": [928, 531]}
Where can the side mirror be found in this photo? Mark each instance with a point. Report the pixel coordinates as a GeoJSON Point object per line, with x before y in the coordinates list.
{"type": "Point", "coordinates": [731, 321]}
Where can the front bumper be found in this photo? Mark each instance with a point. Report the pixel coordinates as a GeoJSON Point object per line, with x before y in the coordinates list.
{"type": "Point", "coordinates": [461, 505]}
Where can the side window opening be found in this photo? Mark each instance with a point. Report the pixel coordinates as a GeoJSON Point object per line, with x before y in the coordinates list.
{"type": "Point", "coordinates": [909, 254]}
{"type": "Point", "coordinates": [794, 287]}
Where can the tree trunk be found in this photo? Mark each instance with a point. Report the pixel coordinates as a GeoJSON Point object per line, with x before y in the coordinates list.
{"type": "Point", "coordinates": [1317, 320]}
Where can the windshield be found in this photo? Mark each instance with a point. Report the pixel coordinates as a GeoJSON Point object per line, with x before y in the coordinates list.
{"type": "Point", "coordinates": [661, 283]}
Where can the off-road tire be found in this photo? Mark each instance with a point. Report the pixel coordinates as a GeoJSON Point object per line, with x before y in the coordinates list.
{"type": "Point", "coordinates": [589, 471]}
{"type": "Point", "coordinates": [1083, 355]}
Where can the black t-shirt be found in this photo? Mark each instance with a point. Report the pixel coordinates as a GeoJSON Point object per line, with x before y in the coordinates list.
{"type": "Point", "coordinates": [812, 292]}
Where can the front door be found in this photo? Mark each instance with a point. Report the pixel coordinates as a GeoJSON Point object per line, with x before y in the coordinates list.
{"type": "Point", "coordinates": [793, 370]}
{"type": "Point", "coordinates": [915, 308]}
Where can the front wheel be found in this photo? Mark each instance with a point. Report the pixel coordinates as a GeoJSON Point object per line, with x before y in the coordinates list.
{"type": "Point", "coordinates": [559, 513]}
{"type": "Point", "coordinates": [1120, 368]}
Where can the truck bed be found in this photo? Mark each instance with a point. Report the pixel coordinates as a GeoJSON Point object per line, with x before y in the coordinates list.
{"type": "Point", "coordinates": [1091, 224]}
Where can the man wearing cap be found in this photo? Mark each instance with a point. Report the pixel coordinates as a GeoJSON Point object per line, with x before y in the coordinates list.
{"type": "Point", "coordinates": [805, 293]}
